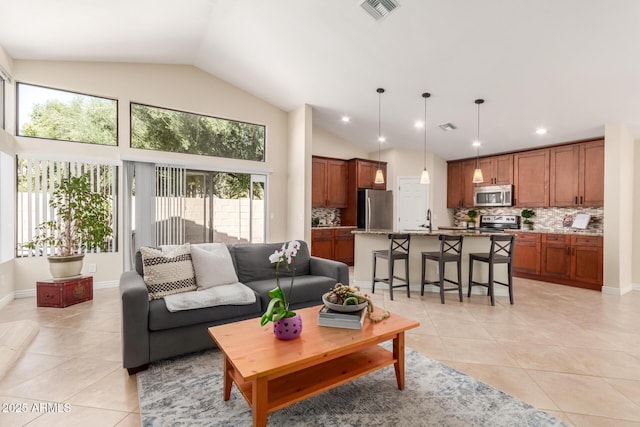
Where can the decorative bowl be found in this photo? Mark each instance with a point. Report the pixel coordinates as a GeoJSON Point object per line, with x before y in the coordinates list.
{"type": "Point", "coordinates": [343, 308]}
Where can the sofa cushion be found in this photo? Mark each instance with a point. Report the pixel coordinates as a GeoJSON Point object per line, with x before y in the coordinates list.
{"type": "Point", "coordinates": [212, 265]}
{"type": "Point", "coordinates": [252, 261]}
{"type": "Point", "coordinates": [305, 288]}
{"type": "Point", "coordinates": [160, 318]}
{"type": "Point", "coordinates": [170, 273]}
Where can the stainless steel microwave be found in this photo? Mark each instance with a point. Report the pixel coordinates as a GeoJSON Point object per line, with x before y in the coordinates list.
{"type": "Point", "coordinates": [493, 195]}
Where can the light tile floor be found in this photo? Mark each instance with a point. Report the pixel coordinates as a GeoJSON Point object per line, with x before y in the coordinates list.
{"type": "Point", "coordinates": [574, 353]}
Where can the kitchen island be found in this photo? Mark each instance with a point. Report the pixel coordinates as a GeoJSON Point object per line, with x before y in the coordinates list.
{"type": "Point", "coordinates": [422, 240]}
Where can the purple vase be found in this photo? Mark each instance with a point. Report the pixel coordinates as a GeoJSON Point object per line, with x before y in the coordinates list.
{"type": "Point", "coordinates": [288, 328]}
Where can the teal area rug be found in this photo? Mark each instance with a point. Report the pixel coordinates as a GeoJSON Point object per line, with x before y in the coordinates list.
{"type": "Point", "coordinates": [187, 391]}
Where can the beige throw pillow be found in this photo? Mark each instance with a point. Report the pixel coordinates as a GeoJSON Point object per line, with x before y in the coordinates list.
{"type": "Point", "coordinates": [169, 273]}
{"type": "Point", "coordinates": [213, 265]}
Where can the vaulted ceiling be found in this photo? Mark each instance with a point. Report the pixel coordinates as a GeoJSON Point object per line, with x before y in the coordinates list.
{"type": "Point", "coordinates": [569, 66]}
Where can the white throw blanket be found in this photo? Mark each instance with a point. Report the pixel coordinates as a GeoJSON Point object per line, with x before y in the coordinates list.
{"type": "Point", "coordinates": [232, 294]}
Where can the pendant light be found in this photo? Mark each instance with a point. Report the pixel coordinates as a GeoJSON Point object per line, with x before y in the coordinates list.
{"type": "Point", "coordinates": [477, 173]}
{"type": "Point", "coordinates": [379, 179]}
{"type": "Point", "coordinates": [424, 178]}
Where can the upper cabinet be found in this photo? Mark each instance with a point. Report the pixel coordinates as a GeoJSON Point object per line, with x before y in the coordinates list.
{"type": "Point", "coordinates": [365, 173]}
{"type": "Point", "coordinates": [577, 174]}
{"type": "Point", "coordinates": [460, 184]}
{"type": "Point", "coordinates": [531, 178]}
{"type": "Point", "coordinates": [497, 170]}
{"type": "Point", "coordinates": [328, 182]}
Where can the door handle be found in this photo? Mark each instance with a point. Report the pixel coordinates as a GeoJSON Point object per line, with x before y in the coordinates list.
{"type": "Point", "coordinates": [580, 199]}
{"type": "Point", "coordinates": [566, 249]}
{"type": "Point", "coordinates": [576, 200]}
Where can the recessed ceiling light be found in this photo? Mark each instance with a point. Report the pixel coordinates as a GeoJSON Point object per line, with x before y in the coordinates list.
{"type": "Point", "coordinates": [476, 143]}
{"type": "Point", "coordinates": [345, 119]}
{"type": "Point", "coordinates": [447, 126]}
{"type": "Point", "coordinates": [541, 131]}
{"type": "Point", "coordinates": [418, 124]}
{"type": "Point", "coordinates": [381, 139]}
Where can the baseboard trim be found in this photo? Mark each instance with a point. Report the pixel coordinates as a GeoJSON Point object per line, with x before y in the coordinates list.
{"type": "Point", "coordinates": [636, 286]}
{"type": "Point", "coordinates": [30, 293]}
{"type": "Point", "coordinates": [610, 290]}
{"type": "Point", "coordinates": [477, 290]}
{"type": "Point", "coordinates": [7, 299]}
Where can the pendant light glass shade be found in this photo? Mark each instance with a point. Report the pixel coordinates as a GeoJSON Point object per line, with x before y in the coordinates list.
{"type": "Point", "coordinates": [424, 177]}
{"type": "Point", "coordinates": [379, 179]}
{"type": "Point", "coordinates": [477, 176]}
{"type": "Point", "coordinates": [477, 173]}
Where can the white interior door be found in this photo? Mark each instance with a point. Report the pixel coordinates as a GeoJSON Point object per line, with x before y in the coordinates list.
{"type": "Point", "coordinates": [412, 202]}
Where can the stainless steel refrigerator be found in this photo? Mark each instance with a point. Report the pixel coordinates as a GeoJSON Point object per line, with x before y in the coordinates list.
{"type": "Point", "coordinates": [375, 209]}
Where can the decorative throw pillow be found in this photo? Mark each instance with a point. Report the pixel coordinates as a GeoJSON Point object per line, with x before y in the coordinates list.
{"type": "Point", "coordinates": [213, 266]}
{"type": "Point", "coordinates": [168, 273]}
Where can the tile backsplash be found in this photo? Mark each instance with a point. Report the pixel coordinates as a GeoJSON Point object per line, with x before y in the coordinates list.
{"type": "Point", "coordinates": [549, 220]}
{"type": "Point", "coordinates": [330, 216]}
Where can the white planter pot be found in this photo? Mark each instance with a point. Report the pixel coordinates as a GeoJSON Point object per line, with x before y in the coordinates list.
{"type": "Point", "coordinates": [62, 267]}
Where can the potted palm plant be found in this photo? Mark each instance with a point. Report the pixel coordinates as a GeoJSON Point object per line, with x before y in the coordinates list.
{"type": "Point", "coordinates": [82, 221]}
{"type": "Point", "coordinates": [527, 224]}
{"type": "Point", "coordinates": [472, 214]}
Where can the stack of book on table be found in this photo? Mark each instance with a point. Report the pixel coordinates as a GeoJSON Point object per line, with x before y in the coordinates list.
{"type": "Point", "coordinates": [336, 319]}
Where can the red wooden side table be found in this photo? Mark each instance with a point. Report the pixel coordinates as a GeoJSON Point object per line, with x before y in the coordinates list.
{"type": "Point", "coordinates": [65, 292]}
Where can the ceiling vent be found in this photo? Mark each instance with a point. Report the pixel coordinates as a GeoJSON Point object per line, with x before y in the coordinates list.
{"type": "Point", "coordinates": [447, 126]}
{"type": "Point", "coordinates": [379, 8]}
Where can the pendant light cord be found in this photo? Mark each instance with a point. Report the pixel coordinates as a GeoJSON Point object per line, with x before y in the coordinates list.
{"type": "Point", "coordinates": [478, 102]}
{"type": "Point", "coordinates": [380, 92]}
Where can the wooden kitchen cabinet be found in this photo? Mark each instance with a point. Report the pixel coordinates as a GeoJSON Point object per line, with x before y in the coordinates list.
{"type": "Point", "coordinates": [576, 175]}
{"type": "Point", "coordinates": [322, 243]}
{"type": "Point", "coordinates": [460, 184]}
{"type": "Point", "coordinates": [572, 260]}
{"type": "Point", "coordinates": [526, 253]}
{"type": "Point", "coordinates": [365, 173]}
{"type": "Point", "coordinates": [333, 243]}
{"type": "Point", "coordinates": [497, 170]}
{"type": "Point", "coordinates": [531, 178]}
{"type": "Point", "coordinates": [586, 260]}
{"type": "Point", "coordinates": [328, 182]}
{"type": "Point", "coordinates": [343, 245]}
{"type": "Point", "coordinates": [556, 256]}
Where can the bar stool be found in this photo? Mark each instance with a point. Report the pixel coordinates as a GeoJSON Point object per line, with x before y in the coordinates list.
{"type": "Point", "coordinates": [450, 251]}
{"type": "Point", "coordinates": [500, 253]}
{"type": "Point", "coordinates": [398, 250]}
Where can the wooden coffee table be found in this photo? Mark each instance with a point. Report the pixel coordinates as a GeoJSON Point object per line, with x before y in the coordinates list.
{"type": "Point", "coordinates": [272, 374]}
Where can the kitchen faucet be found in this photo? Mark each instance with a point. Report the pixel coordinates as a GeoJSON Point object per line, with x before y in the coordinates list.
{"type": "Point", "coordinates": [429, 219]}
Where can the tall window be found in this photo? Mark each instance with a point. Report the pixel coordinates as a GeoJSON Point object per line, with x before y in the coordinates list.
{"type": "Point", "coordinates": [67, 116]}
{"type": "Point", "coordinates": [7, 185]}
{"type": "Point", "coordinates": [163, 129]}
{"type": "Point", "coordinates": [36, 181]}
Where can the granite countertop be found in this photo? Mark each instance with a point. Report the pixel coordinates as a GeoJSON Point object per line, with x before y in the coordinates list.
{"type": "Point", "coordinates": [331, 227]}
{"type": "Point", "coordinates": [570, 232]}
{"type": "Point", "coordinates": [425, 232]}
{"type": "Point", "coordinates": [455, 231]}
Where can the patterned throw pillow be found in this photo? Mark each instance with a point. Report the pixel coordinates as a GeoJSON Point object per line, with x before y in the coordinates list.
{"type": "Point", "coordinates": [168, 273]}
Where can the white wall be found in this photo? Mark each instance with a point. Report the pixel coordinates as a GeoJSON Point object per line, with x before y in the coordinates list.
{"type": "Point", "coordinates": [411, 163]}
{"type": "Point", "coordinates": [635, 252]}
{"type": "Point", "coordinates": [618, 209]}
{"type": "Point", "coordinates": [329, 145]}
{"type": "Point", "coordinates": [180, 87]}
{"type": "Point", "coordinates": [299, 174]}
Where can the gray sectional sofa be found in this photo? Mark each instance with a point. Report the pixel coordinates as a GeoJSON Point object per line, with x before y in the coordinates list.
{"type": "Point", "coordinates": [150, 332]}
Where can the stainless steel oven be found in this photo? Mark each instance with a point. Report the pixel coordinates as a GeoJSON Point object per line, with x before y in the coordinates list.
{"type": "Point", "coordinates": [493, 195]}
